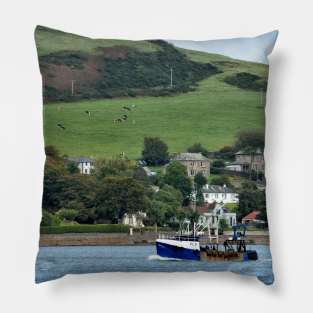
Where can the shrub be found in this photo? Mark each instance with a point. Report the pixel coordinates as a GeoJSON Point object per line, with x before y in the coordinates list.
{"type": "Point", "coordinates": [218, 163]}
{"type": "Point", "coordinates": [67, 214]}
{"type": "Point", "coordinates": [198, 148]}
{"type": "Point", "coordinates": [247, 81]}
{"type": "Point", "coordinates": [250, 140]}
{"type": "Point", "coordinates": [221, 181]}
{"type": "Point", "coordinates": [48, 219]}
{"type": "Point", "coordinates": [87, 228]}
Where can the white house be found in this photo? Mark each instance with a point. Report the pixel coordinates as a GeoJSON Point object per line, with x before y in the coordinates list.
{"type": "Point", "coordinates": [213, 216]}
{"type": "Point", "coordinates": [134, 220]}
{"type": "Point", "coordinates": [215, 193]}
{"type": "Point", "coordinates": [84, 164]}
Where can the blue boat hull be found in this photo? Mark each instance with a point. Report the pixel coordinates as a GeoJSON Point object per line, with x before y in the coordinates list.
{"type": "Point", "coordinates": [169, 251]}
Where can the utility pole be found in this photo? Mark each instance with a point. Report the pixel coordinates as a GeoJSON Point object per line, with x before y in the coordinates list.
{"type": "Point", "coordinates": [72, 87]}
{"type": "Point", "coordinates": [171, 77]}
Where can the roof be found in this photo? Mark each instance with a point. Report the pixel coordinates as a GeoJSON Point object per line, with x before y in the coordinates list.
{"type": "Point", "coordinates": [206, 208]}
{"type": "Point", "coordinates": [252, 215]}
{"type": "Point", "coordinates": [217, 189]}
{"type": "Point", "coordinates": [188, 156]}
{"type": "Point", "coordinates": [79, 159]}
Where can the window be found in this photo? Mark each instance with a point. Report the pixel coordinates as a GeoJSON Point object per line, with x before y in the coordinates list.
{"type": "Point", "coordinates": [86, 171]}
{"type": "Point", "coordinates": [192, 172]}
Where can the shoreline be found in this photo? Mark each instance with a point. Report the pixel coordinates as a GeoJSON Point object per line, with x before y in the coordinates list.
{"type": "Point", "coordinates": [122, 239]}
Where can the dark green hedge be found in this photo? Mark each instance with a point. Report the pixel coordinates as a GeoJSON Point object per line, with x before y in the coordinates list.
{"type": "Point", "coordinates": [96, 228]}
{"type": "Point", "coordinates": [247, 81]}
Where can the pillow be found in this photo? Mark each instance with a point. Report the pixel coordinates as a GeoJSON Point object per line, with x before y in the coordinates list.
{"type": "Point", "coordinates": [154, 155]}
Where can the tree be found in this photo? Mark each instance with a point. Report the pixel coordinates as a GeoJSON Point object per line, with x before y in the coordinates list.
{"type": "Point", "coordinates": [198, 148]}
{"type": "Point", "coordinates": [53, 185]}
{"type": "Point", "coordinates": [250, 140]}
{"type": "Point", "coordinates": [221, 181]}
{"type": "Point", "coordinates": [67, 214]}
{"type": "Point", "coordinates": [120, 195]}
{"type": "Point", "coordinates": [155, 151]}
{"type": "Point", "coordinates": [199, 181]}
{"type": "Point", "coordinates": [251, 199]}
{"type": "Point", "coordinates": [176, 176]}
{"type": "Point", "coordinates": [218, 163]}
{"type": "Point", "coordinates": [113, 167]}
{"type": "Point", "coordinates": [140, 175]}
{"type": "Point", "coordinates": [72, 167]}
{"type": "Point", "coordinates": [49, 219]}
{"type": "Point", "coordinates": [156, 213]}
{"type": "Point", "coordinates": [222, 225]}
{"type": "Point", "coordinates": [52, 151]}
{"type": "Point", "coordinates": [170, 196]}
{"type": "Point", "coordinates": [193, 216]}
{"type": "Point", "coordinates": [86, 216]}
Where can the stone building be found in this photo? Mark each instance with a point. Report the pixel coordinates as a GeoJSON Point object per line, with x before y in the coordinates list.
{"type": "Point", "coordinates": [194, 162]}
{"type": "Point", "coordinates": [248, 161]}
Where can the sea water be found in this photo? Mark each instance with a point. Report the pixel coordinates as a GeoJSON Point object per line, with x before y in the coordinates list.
{"type": "Point", "coordinates": [55, 262]}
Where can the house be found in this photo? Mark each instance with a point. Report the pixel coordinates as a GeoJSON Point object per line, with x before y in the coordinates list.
{"type": "Point", "coordinates": [252, 217]}
{"type": "Point", "coordinates": [134, 220]}
{"type": "Point", "coordinates": [219, 194]}
{"type": "Point", "coordinates": [84, 164]}
{"type": "Point", "coordinates": [248, 161]}
{"type": "Point", "coordinates": [194, 162]}
{"type": "Point", "coordinates": [212, 213]}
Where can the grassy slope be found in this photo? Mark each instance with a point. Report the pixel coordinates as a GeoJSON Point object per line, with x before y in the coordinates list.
{"type": "Point", "coordinates": [212, 115]}
{"type": "Point", "coordinates": [49, 40]}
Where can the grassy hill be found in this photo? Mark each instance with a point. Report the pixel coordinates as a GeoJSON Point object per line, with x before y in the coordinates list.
{"type": "Point", "coordinates": [212, 114]}
{"type": "Point", "coordinates": [51, 40]}
{"type": "Point", "coordinates": [111, 69]}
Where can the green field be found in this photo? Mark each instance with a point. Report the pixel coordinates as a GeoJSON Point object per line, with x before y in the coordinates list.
{"type": "Point", "coordinates": [211, 115]}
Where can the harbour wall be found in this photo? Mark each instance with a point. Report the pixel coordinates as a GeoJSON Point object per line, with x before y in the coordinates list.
{"type": "Point", "coordinates": [109, 239]}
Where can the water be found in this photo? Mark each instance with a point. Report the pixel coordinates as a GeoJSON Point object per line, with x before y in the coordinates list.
{"type": "Point", "coordinates": [55, 262]}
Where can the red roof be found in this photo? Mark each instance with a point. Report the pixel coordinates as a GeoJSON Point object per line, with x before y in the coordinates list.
{"type": "Point", "coordinates": [251, 216]}
{"type": "Point", "coordinates": [205, 208]}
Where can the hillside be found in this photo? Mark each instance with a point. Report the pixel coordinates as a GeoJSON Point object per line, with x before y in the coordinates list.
{"type": "Point", "coordinates": [113, 69]}
{"type": "Point", "coordinates": [215, 109]}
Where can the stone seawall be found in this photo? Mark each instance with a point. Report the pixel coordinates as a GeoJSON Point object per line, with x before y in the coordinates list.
{"type": "Point", "coordinates": [100, 239]}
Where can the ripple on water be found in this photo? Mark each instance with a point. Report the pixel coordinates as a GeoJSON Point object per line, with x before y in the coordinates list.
{"type": "Point", "coordinates": [55, 262]}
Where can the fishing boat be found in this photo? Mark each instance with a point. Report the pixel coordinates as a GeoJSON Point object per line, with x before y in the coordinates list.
{"type": "Point", "coordinates": [203, 245]}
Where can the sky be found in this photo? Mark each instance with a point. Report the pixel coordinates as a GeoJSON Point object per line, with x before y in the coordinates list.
{"type": "Point", "coordinates": [254, 49]}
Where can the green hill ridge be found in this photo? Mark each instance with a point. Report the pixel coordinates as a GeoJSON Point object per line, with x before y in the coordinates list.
{"type": "Point", "coordinates": [211, 106]}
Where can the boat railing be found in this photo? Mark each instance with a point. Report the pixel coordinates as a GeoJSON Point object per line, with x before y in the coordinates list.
{"type": "Point", "coordinates": [179, 237]}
